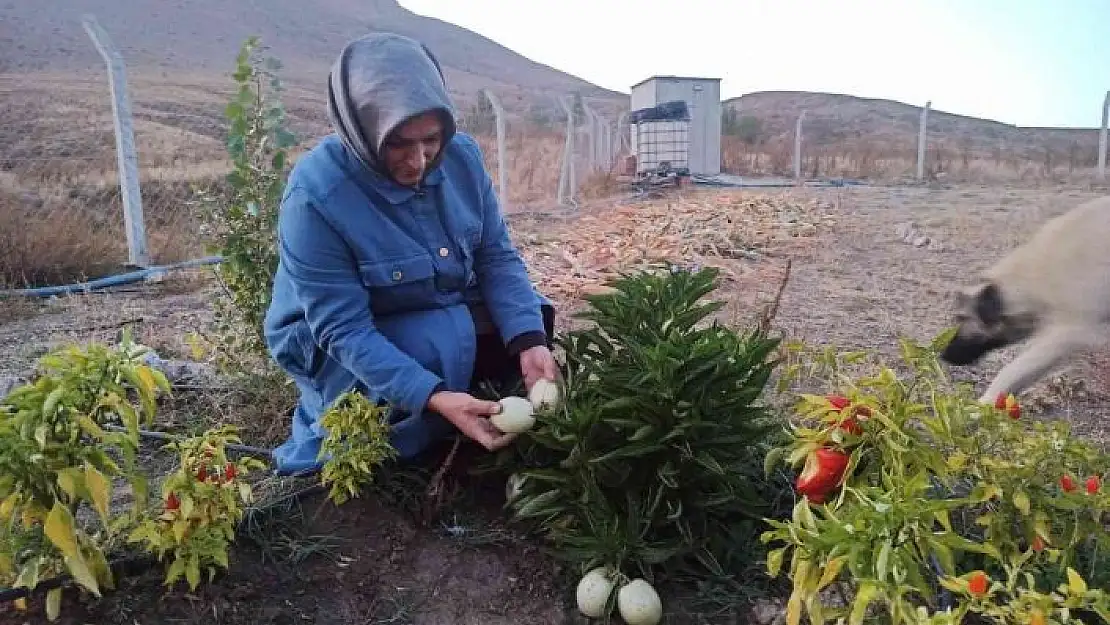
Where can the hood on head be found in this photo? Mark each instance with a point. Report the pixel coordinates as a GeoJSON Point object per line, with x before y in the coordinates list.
{"type": "Point", "coordinates": [378, 82]}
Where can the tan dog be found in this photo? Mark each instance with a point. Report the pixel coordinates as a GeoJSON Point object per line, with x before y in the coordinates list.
{"type": "Point", "coordinates": [1053, 290]}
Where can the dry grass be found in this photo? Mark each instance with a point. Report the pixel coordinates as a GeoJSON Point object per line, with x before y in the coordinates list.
{"type": "Point", "coordinates": [888, 161]}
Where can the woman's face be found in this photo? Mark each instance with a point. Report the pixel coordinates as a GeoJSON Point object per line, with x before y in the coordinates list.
{"type": "Point", "coordinates": [410, 148]}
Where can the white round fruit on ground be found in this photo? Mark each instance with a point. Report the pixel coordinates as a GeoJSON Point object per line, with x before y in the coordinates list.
{"type": "Point", "coordinates": [593, 592]}
{"type": "Point", "coordinates": [515, 416]}
{"type": "Point", "coordinates": [639, 604]}
{"type": "Point", "coordinates": [544, 394]}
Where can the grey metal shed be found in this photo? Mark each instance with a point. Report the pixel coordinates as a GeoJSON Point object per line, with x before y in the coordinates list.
{"type": "Point", "coordinates": [703, 97]}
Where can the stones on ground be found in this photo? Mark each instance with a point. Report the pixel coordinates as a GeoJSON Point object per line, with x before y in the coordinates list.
{"type": "Point", "coordinates": [912, 234]}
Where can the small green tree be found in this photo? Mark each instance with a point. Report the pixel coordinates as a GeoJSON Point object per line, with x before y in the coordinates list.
{"type": "Point", "coordinates": [243, 220]}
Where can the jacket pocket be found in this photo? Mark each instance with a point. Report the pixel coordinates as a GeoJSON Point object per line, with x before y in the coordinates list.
{"type": "Point", "coordinates": [399, 285]}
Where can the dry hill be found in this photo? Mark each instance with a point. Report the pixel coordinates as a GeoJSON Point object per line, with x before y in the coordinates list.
{"type": "Point", "coordinates": [844, 122]}
{"type": "Point", "coordinates": [202, 36]}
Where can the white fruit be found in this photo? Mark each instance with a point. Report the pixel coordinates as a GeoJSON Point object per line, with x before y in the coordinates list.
{"type": "Point", "coordinates": [593, 592]}
{"type": "Point", "coordinates": [515, 416]}
{"type": "Point", "coordinates": [544, 394]}
{"type": "Point", "coordinates": [639, 604]}
{"type": "Point", "coordinates": [513, 486]}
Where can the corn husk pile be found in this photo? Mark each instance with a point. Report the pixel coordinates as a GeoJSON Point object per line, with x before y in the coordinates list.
{"type": "Point", "coordinates": [733, 231]}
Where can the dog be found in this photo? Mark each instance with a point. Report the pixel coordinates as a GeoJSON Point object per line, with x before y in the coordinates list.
{"type": "Point", "coordinates": [1053, 290]}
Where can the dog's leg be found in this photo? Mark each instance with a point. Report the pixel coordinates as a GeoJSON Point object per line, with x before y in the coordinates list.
{"type": "Point", "coordinates": [1044, 352]}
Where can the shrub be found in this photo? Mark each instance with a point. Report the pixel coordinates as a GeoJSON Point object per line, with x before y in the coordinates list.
{"type": "Point", "coordinates": [944, 508]}
{"type": "Point", "coordinates": [56, 458]}
{"type": "Point", "coordinates": [652, 462]}
{"type": "Point", "coordinates": [356, 445]}
{"type": "Point", "coordinates": [202, 503]}
{"type": "Point", "coordinates": [243, 223]}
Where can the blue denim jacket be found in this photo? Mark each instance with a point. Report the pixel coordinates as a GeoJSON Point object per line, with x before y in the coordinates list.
{"type": "Point", "coordinates": [372, 286]}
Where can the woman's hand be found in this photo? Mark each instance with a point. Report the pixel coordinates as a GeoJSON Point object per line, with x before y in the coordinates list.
{"type": "Point", "coordinates": [471, 417]}
{"type": "Point", "coordinates": [537, 362]}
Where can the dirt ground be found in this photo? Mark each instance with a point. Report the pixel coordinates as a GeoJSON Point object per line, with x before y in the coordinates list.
{"type": "Point", "coordinates": [855, 283]}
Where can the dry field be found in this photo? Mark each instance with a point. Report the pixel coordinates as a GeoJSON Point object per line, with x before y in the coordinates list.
{"type": "Point", "coordinates": [854, 283]}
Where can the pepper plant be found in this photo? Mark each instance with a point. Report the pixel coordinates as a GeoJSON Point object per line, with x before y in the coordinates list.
{"type": "Point", "coordinates": [651, 464]}
{"type": "Point", "coordinates": [57, 458]}
{"type": "Point", "coordinates": [202, 503]}
{"type": "Point", "coordinates": [937, 493]}
{"type": "Point", "coordinates": [357, 442]}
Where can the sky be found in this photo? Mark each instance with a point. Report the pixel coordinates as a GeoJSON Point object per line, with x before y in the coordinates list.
{"type": "Point", "coordinates": [1017, 61]}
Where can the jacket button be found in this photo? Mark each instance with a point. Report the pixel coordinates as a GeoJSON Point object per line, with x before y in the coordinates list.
{"type": "Point", "coordinates": [397, 275]}
{"type": "Point", "coordinates": [443, 252]}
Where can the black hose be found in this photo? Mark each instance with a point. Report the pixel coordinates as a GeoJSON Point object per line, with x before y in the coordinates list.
{"type": "Point", "coordinates": [162, 436]}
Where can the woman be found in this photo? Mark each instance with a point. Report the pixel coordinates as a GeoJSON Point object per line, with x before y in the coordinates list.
{"type": "Point", "coordinates": [397, 275]}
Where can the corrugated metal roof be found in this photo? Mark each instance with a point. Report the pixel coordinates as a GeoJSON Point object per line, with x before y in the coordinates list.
{"type": "Point", "coordinates": [651, 78]}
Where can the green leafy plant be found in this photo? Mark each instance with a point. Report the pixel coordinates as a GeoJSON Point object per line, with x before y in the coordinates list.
{"type": "Point", "coordinates": [243, 221]}
{"type": "Point", "coordinates": [652, 463]}
{"type": "Point", "coordinates": [56, 459]}
{"type": "Point", "coordinates": [357, 443]}
{"type": "Point", "coordinates": [938, 493]}
{"type": "Point", "coordinates": [202, 503]}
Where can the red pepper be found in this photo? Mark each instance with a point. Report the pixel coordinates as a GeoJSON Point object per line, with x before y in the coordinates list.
{"type": "Point", "coordinates": [1093, 484]}
{"type": "Point", "coordinates": [1038, 544]}
{"type": "Point", "coordinates": [849, 424]}
{"type": "Point", "coordinates": [823, 471]}
{"type": "Point", "coordinates": [230, 471]}
{"type": "Point", "coordinates": [172, 503]}
{"type": "Point", "coordinates": [202, 474]}
{"type": "Point", "coordinates": [1067, 483]}
{"type": "Point", "coordinates": [1009, 403]}
{"type": "Point", "coordinates": [978, 583]}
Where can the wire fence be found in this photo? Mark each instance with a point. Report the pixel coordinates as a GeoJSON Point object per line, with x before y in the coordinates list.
{"type": "Point", "coordinates": [65, 211]}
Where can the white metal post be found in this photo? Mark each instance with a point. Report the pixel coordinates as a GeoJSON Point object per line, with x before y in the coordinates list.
{"type": "Point", "coordinates": [921, 140]}
{"type": "Point", "coordinates": [502, 172]}
{"type": "Point", "coordinates": [622, 142]}
{"type": "Point", "coordinates": [566, 171]}
{"type": "Point", "coordinates": [591, 129]}
{"type": "Point", "coordinates": [1102, 137]}
{"type": "Point", "coordinates": [798, 148]}
{"type": "Point", "coordinates": [137, 253]}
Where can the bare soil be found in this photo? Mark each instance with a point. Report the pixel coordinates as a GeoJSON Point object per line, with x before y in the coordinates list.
{"type": "Point", "coordinates": [855, 284]}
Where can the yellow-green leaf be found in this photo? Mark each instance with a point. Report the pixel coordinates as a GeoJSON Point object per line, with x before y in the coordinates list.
{"type": "Point", "coordinates": [942, 518]}
{"type": "Point", "coordinates": [867, 593]}
{"type": "Point", "coordinates": [51, 402]}
{"type": "Point", "coordinates": [71, 482]}
{"type": "Point", "coordinates": [794, 609]}
{"type": "Point", "coordinates": [176, 570]}
{"type": "Point", "coordinates": [79, 569]}
{"type": "Point", "coordinates": [1021, 502]}
{"type": "Point", "coordinates": [100, 490]}
{"type": "Point", "coordinates": [59, 529]}
{"type": "Point", "coordinates": [90, 427]}
{"type": "Point", "coordinates": [882, 560]}
{"type": "Point", "coordinates": [179, 528]}
{"type": "Point", "coordinates": [187, 505]}
{"type": "Point", "coordinates": [1075, 582]}
{"type": "Point", "coordinates": [53, 604]}
{"type": "Point", "coordinates": [774, 561]}
{"type": "Point", "coordinates": [832, 569]}
{"type": "Point", "coordinates": [192, 572]}
{"type": "Point", "coordinates": [245, 492]}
